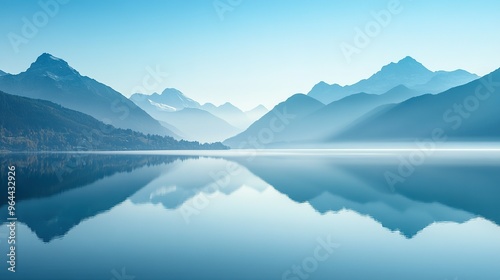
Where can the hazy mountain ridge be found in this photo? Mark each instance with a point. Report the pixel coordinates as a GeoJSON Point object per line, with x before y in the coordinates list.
{"type": "Point", "coordinates": [407, 72]}
{"type": "Point", "coordinates": [327, 120]}
{"type": "Point", "coordinates": [297, 107]}
{"type": "Point", "coordinates": [335, 116]}
{"type": "Point", "coordinates": [323, 125]}
{"type": "Point", "coordinates": [229, 113]}
{"type": "Point", "coordinates": [193, 123]}
{"type": "Point", "coordinates": [173, 113]}
{"type": "Point", "coordinates": [465, 113]}
{"type": "Point", "coordinates": [257, 112]}
{"type": "Point", "coordinates": [199, 125]}
{"type": "Point", "coordinates": [170, 100]}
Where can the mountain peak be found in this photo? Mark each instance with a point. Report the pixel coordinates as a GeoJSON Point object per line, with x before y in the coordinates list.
{"type": "Point", "coordinates": [259, 107]}
{"type": "Point", "coordinates": [50, 64]}
{"type": "Point", "coordinates": [175, 98]}
{"type": "Point", "coordinates": [300, 98]}
{"type": "Point", "coordinates": [406, 64]}
{"type": "Point", "coordinates": [325, 86]}
{"type": "Point", "coordinates": [407, 71]}
{"type": "Point", "coordinates": [227, 105]}
{"type": "Point", "coordinates": [45, 56]}
{"type": "Point", "coordinates": [408, 60]}
{"type": "Point", "coordinates": [172, 91]}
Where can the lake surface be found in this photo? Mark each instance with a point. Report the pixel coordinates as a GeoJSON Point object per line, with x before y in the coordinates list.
{"type": "Point", "coordinates": [276, 215]}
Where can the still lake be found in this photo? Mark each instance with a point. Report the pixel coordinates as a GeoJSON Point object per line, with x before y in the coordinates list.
{"type": "Point", "coordinates": [304, 214]}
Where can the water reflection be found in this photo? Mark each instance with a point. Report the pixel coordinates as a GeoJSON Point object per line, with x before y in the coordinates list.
{"type": "Point", "coordinates": [182, 180]}
{"type": "Point", "coordinates": [440, 190]}
{"type": "Point", "coordinates": [57, 191]}
{"type": "Point", "coordinates": [255, 217]}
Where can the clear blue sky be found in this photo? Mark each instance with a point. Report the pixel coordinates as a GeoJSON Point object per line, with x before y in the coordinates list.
{"type": "Point", "coordinates": [261, 51]}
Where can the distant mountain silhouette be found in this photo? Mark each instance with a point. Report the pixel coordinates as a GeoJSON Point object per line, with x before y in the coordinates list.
{"type": "Point", "coordinates": [442, 81]}
{"type": "Point", "coordinates": [50, 78]}
{"type": "Point", "coordinates": [256, 113]}
{"type": "Point", "coordinates": [338, 114]}
{"type": "Point", "coordinates": [282, 115]}
{"type": "Point", "coordinates": [191, 123]}
{"type": "Point", "coordinates": [230, 113]}
{"type": "Point", "coordinates": [2, 73]}
{"type": "Point", "coordinates": [173, 100]}
{"type": "Point", "coordinates": [198, 125]}
{"type": "Point", "coordinates": [37, 125]}
{"type": "Point", "coordinates": [169, 100]}
{"type": "Point", "coordinates": [465, 113]}
{"type": "Point", "coordinates": [332, 118]}
{"type": "Point", "coordinates": [407, 72]}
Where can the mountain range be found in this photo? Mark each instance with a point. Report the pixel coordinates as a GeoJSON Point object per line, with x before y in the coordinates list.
{"type": "Point", "coordinates": [172, 107]}
{"type": "Point", "coordinates": [231, 114]}
{"type": "Point", "coordinates": [173, 100]}
{"type": "Point", "coordinates": [38, 125]}
{"type": "Point", "coordinates": [322, 121]}
{"type": "Point", "coordinates": [464, 113]}
{"type": "Point", "coordinates": [192, 121]}
{"type": "Point", "coordinates": [53, 79]}
{"type": "Point", "coordinates": [400, 114]}
{"type": "Point", "coordinates": [407, 72]}
{"type": "Point", "coordinates": [402, 101]}
{"type": "Point", "coordinates": [256, 113]}
{"type": "Point", "coordinates": [50, 78]}
{"type": "Point", "coordinates": [297, 106]}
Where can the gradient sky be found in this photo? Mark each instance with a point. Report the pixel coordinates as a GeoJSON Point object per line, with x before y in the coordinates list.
{"type": "Point", "coordinates": [260, 52]}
